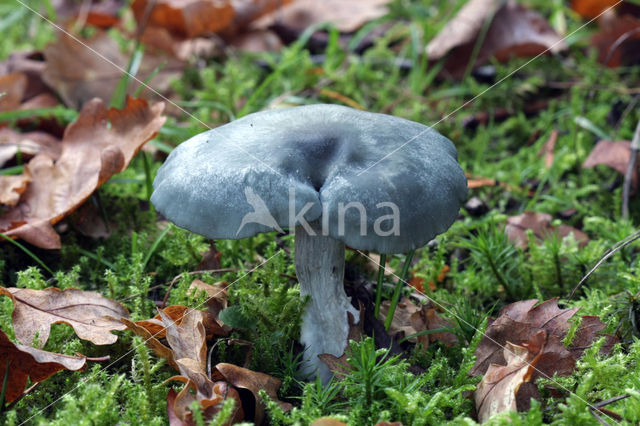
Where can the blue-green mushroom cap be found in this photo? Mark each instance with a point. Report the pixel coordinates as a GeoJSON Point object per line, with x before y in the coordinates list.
{"type": "Point", "coordinates": [374, 181]}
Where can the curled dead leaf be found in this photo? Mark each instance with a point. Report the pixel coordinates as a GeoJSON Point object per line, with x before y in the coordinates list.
{"type": "Point", "coordinates": [11, 187]}
{"type": "Point", "coordinates": [34, 311]}
{"type": "Point", "coordinates": [28, 144]}
{"type": "Point", "coordinates": [520, 321]}
{"type": "Point", "coordinates": [178, 405]}
{"type": "Point", "coordinates": [591, 8]}
{"type": "Point", "coordinates": [101, 14]}
{"type": "Point", "coordinates": [617, 41]}
{"type": "Point", "coordinates": [513, 31]}
{"type": "Point", "coordinates": [99, 143]}
{"type": "Point", "coordinates": [253, 381]}
{"type": "Point", "coordinates": [613, 154]}
{"type": "Point", "coordinates": [498, 389]}
{"type": "Point", "coordinates": [185, 18]}
{"type": "Point", "coordinates": [30, 363]}
{"type": "Point", "coordinates": [410, 319]}
{"type": "Point", "coordinates": [540, 224]}
{"type": "Point", "coordinates": [12, 87]}
{"type": "Point", "coordinates": [346, 16]}
{"type": "Point", "coordinates": [78, 75]}
{"type": "Point", "coordinates": [155, 325]}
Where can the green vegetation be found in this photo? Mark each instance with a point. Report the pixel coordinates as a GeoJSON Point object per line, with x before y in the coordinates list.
{"type": "Point", "coordinates": [138, 261]}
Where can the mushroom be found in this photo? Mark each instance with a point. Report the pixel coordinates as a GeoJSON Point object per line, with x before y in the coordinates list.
{"type": "Point", "coordinates": [334, 174]}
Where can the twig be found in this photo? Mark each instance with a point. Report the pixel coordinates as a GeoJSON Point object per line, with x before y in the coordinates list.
{"type": "Point", "coordinates": [619, 245]}
{"type": "Point", "coordinates": [95, 359]}
{"type": "Point", "coordinates": [631, 167]}
{"type": "Point", "coordinates": [599, 405]}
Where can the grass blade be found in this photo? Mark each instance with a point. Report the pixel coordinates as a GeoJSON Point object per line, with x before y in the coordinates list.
{"type": "Point", "coordinates": [28, 252]}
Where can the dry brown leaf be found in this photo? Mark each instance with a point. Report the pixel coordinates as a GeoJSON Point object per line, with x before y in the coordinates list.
{"type": "Point", "coordinates": [11, 187]}
{"type": "Point", "coordinates": [186, 18]}
{"type": "Point", "coordinates": [401, 321]}
{"type": "Point", "coordinates": [346, 16]}
{"type": "Point", "coordinates": [253, 381]}
{"type": "Point", "coordinates": [613, 154]}
{"type": "Point", "coordinates": [248, 11]}
{"type": "Point", "coordinates": [101, 14]}
{"type": "Point", "coordinates": [410, 318]}
{"type": "Point", "coordinates": [217, 299]}
{"type": "Point", "coordinates": [540, 224]}
{"type": "Point", "coordinates": [31, 363]}
{"type": "Point", "coordinates": [100, 143]}
{"type": "Point", "coordinates": [548, 148]}
{"type": "Point", "coordinates": [188, 339]}
{"type": "Point", "coordinates": [28, 144]}
{"type": "Point", "coordinates": [497, 391]}
{"type": "Point", "coordinates": [78, 75]}
{"type": "Point", "coordinates": [217, 296]}
{"type": "Point", "coordinates": [178, 405]}
{"type": "Point", "coordinates": [591, 8]}
{"type": "Point", "coordinates": [513, 31]}
{"type": "Point", "coordinates": [34, 311]}
{"type": "Point", "coordinates": [12, 88]}
{"type": "Point", "coordinates": [520, 321]}
{"type": "Point", "coordinates": [327, 421]}
{"type": "Point", "coordinates": [155, 325]}
{"type": "Point", "coordinates": [158, 348]}
{"type": "Point", "coordinates": [31, 65]}
{"type": "Point", "coordinates": [617, 41]}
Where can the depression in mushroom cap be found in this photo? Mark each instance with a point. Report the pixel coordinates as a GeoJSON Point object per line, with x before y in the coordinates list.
{"type": "Point", "coordinates": [308, 163]}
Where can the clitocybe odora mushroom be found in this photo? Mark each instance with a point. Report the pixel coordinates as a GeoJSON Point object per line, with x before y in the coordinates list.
{"type": "Point", "coordinates": [309, 168]}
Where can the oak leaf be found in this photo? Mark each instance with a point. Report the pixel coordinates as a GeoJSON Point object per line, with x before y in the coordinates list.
{"type": "Point", "coordinates": [178, 405]}
{"type": "Point", "coordinates": [185, 18]}
{"type": "Point", "coordinates": [520, 321]}
{"type": "Point", "coordinates": [617, 41]}
{"type": "Point", "coordinates": [26, 362]}
{"type": "Point", "coordinates": [100, 143]}
{"type": "Point", "coordinates": [513, 31]}
{"type": "Point", "coordinates": [78, 74]}
{"type": "Point", "coordinates": [346, 16]}
{"type": "Point", "coordinates": [540, 224]}
{"type": "Point", "coordinates": [184, 330]}
{"type": "Point", "coordinates": [12, 87]}
{"type": "Point", "coordinates": [497, 392]}
{"type": "Point", "coordinates": [28, 144]}
{"type": "Point", "coordinates": [613, 154]}
{"type": "Point", "coordinates": [34, 311]}
{"type": "Point", "coordinates": [591, 8]}
{"type": "Point", "coordinates": [11, 187]}
{"type": "Point", "coordinates": [101, 14]}
{"type": "Point", "coordinates": [254, 381]}
{"type": "Point", "coordinates": [410, 319]}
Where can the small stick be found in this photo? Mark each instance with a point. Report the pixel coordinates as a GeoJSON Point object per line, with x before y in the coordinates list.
{"type": "Point", "coordinates": [95, 359]}
{"type": "Point", "coordinates": [609, 413]}
{"type": "Point", "coordinates": [631, 167]}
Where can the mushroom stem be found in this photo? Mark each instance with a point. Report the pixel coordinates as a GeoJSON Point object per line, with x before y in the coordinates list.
{"type": "Point", "coordinates": [319, 261]}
